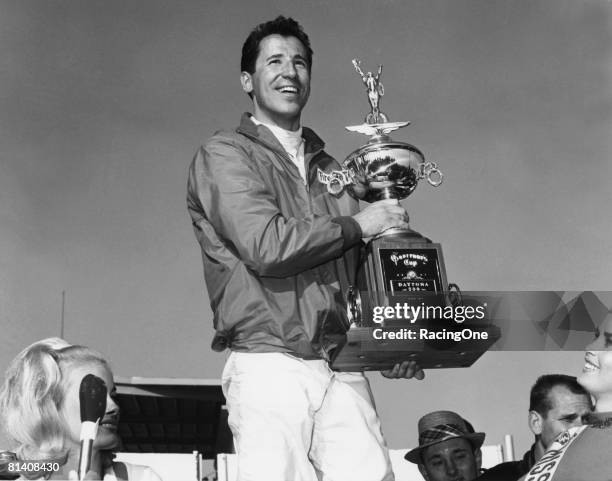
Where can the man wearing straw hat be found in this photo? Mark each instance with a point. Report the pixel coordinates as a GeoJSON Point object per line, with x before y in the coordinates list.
{"type": "Point", "coordinates": [449, 449]}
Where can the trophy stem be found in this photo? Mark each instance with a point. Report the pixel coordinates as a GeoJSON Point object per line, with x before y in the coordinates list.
{"type": "Point", "coordinates": [387, 193]}
{"type": "Point", "coordinates": [406, 232]}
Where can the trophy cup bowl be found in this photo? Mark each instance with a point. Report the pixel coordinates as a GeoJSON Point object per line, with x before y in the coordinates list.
{"type": "Point", "coordinates": [384, 169]}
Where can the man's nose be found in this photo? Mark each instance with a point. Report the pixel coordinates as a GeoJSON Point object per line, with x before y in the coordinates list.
{"type": "Point", "coordinates": [576, 422]}
{"type": "Point", "coordinates": [289, 70]}
{"type": "Point", "coordinates": [451, 468]}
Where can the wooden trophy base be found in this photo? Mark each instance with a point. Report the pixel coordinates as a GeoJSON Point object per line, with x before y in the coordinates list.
{"type": "Point", "coordinates": [362, 352]}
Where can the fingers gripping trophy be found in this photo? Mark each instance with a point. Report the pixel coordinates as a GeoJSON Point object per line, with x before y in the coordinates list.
{"type": "Point", "coordinates": [400, 263]}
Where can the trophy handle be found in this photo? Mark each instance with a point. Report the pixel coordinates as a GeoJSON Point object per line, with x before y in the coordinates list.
{"type": "Point", "coordinates": [431, 172]}
{"type": "Point", "coordinates": [336, 180]}
{"type": "Point", "coordinates": [353, 307]}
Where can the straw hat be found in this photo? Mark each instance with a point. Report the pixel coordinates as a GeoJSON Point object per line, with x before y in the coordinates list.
{"type": "Point", "coordinates": [439, 426]}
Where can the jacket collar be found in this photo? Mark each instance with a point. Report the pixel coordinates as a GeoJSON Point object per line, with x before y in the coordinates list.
{"type": "Point", "coordinates": [260, 133]}
{"type": "Point", "coordinates": [529, 459]}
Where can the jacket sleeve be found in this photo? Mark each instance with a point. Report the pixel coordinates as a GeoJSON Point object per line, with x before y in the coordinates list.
{"type": "Point", "coordinates": [233, 197]}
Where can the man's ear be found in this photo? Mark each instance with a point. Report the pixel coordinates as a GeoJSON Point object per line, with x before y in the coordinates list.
{"type": "Point", "coordinates": [478, 459]}
{"type": "Point", "coordinates": [535, 422]}
{"type": "Point", "coordinates": [423, 472]}
{"type": "Point", "coordinates": [246, 80]}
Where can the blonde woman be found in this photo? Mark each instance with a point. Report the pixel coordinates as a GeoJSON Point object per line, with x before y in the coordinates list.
{"type": "Point", "coordinates": [39, 408]}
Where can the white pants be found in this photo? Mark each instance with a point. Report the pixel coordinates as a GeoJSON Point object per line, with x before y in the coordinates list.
{"type": "Point", "coordinates": [297, 420]}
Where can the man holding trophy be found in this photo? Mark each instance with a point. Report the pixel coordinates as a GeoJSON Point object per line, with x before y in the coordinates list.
{"type": "Point", "coordinates": [280, 251]}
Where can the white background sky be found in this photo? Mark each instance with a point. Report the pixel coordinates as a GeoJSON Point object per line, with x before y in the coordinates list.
{"type": "Point", "coordinates": [103, 104]}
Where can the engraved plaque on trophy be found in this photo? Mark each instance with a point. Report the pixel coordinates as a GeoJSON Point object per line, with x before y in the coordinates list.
{"type": "Point", "coordinates": [402, 267]}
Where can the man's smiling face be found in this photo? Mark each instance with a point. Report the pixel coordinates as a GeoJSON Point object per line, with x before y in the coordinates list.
{"type": "Point", "coordinates": [280, 84]}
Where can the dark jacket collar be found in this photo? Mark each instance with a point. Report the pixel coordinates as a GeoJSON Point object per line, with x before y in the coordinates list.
{"type": "Point", "coordinates": [529, 459]}
{"type": "Point", "coordinates": [312, 142]}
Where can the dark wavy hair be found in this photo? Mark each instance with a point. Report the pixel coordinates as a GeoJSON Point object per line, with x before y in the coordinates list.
{"type": "Point", "coordinates": [539, 399]}
{"type": "Point", "coordinates": [284, 26]}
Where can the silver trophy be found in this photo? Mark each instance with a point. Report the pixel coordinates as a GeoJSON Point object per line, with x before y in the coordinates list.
{"type": "Point", "coordinates": [383, 168]}
{"type": "Point", "coordinates": [401, 265]}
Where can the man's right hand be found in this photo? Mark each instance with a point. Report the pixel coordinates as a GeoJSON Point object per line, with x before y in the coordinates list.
{"type": "Point", "coordinates": [380, 216]}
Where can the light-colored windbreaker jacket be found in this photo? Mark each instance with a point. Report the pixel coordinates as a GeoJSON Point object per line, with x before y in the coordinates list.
{"type": "Point", "coordinates": [278, 255]}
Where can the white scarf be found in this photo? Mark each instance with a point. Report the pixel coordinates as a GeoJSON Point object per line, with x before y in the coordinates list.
{"type": "Point", "coordinates": [292, 142]}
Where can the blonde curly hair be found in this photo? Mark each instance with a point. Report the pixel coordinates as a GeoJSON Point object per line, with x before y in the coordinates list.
{"type": "Point", "coordinates": [32, 396]}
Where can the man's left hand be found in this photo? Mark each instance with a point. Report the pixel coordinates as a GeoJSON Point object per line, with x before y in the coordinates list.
{"type": "Point", "coordinates": [405, 370]}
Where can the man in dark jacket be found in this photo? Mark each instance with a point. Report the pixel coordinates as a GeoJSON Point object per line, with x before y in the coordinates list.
{"type": "Point", "coordinates": [279, 253]}
{"type": "Point", "coordinates": [556, 403]}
